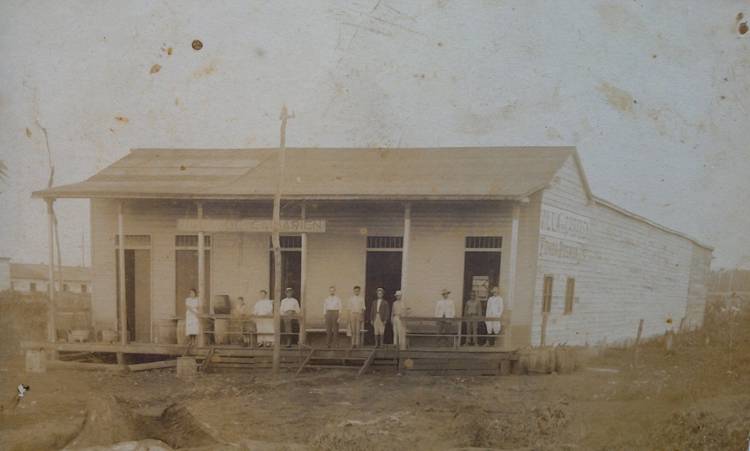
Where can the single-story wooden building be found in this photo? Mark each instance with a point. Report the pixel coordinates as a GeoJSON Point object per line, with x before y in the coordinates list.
{"type": "Point", "coordinates": [34, 277]}
{"type": "Point", "coordinates": [573, 268]}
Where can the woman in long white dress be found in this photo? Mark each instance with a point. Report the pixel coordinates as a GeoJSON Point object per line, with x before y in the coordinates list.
{"type": "Point", "coordinates": [192, 326]}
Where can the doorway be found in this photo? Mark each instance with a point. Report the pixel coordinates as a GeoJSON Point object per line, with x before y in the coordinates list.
{"type": "Point", "coordinates": [137, 293]}
{"type": "Point", "coordinates": [383, 269]}
{"type": "Point", "coordinates": [186, 277]}
{"type": "Point", "coordinates": [481, 272]}
{"type": "Point", "coordinates": [291, 273]}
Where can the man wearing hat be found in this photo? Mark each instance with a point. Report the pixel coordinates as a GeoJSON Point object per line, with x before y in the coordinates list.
{"type": "Point", "coordinates": [289, 307]}
{"type": "Point", "coordinates": [380, 313]}
{"type": "Point", "coordinates": [399, 329]}
{"type": "Point", "coordinates": [445, 308]}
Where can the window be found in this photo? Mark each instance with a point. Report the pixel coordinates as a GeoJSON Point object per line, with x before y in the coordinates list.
{"type": "Point", "coordinates": [288, 242]}
{"type": "Point", "coordinates": [65, 287]}
{"type": "Point", "coordinates": [32, 286]}
{"type": "Point", "coordinates": [84, 288]}
{"type": "Point", "coordinates": [134, 241]}
{"type": "Point", "coordinates": [484, 242]}
{"type": "Point", "coordinates": [570, 289]}
{"type": "Point", "coordinates": [191, 241]}
{"type": "Point", "coordinates": [385, 242]}
{"type": "Point", "coordinates": [547, 294]}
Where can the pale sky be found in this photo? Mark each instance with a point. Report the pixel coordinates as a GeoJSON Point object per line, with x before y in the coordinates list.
{"type": "Point", "coordinates": [654, 94]}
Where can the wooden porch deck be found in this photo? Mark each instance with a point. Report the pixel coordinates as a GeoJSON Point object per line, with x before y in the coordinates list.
{"type": "Point", "coordinates": [430, 360]}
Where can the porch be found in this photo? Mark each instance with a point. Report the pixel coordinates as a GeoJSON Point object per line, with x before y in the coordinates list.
{"type": "Point", "coordinates": [134, 357]}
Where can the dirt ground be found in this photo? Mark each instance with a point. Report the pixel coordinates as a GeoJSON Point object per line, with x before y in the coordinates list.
{"type": "Point", "coordinates": [695, 398]}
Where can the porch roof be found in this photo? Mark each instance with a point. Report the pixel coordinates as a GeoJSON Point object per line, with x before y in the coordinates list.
{"type": "Point", "coordinates": [324, 173]}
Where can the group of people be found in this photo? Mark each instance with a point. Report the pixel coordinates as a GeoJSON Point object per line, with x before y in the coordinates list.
{"type": "Point", "coordinates": [381, 313]}
{"type": "Point", "coordinates": [354, 315]}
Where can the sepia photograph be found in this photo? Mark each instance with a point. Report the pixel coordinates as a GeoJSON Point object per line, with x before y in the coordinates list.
{"type": "Point", "coordinates": [377, 225]}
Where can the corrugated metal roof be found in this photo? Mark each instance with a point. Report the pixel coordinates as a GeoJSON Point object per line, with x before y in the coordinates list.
{"type": "Point", "coordinates": [39, 271]}
{"type": "Point", "coordinates": [333, 173]}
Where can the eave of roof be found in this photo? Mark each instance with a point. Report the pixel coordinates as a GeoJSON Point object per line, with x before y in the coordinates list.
{"type": "Point", "coordinates": [630, 214]}
{"type": "Point", "coordinates": [496, 173]}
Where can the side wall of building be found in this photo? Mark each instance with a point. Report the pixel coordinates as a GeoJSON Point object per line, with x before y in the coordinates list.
{"type": "Point", "coordinates": [700, 270]}
{"type": "Point", "coordinates": [624, 269]}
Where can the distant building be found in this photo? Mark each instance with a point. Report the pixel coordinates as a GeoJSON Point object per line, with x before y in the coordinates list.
{"type": "Point", "coordinates": [33, 277]}
{"type": "Point", "coordinates": [4, 273]}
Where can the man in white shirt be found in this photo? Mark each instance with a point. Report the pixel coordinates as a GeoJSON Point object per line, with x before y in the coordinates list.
{"type": "Point", "coordinates": [264, 326]}
{"type": "Point", "coordinates": [331, 307]}
{"type": "Point", "coordinates": [494, 310]}
{"type": "Point", "coordinates": [289, 307]}
{"type": "Point", "coordinates": [398, 311]}
{"type": "Point", "coordinates": [445, 308]}
{"type": "Point", "coordinates": [356, 314]}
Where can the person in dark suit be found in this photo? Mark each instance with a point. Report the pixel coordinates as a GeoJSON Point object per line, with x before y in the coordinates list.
{"type": "Point", "coordinates": [380, 313]}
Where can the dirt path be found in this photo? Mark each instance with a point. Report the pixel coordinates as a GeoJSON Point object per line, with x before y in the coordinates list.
{"type": "Point", "coordinates": [655, 407]}
{"type": "Point", "coordinates": [697, 397]}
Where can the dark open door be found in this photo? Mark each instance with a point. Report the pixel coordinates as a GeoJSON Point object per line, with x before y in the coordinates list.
{"type": "Point", "coordinates": [137, 293]}
{"type": "Point", "coordinates": [481, 273]}
{"type": "Point", "coordinates": [383, 270]}
{"type": "Point", "coordinates": [291, 273]}
{"type": "Point", "coordinates": [186, 277]}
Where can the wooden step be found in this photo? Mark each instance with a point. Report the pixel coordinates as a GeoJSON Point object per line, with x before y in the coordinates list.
{"type": "Point", "coordinates": [340, 367]}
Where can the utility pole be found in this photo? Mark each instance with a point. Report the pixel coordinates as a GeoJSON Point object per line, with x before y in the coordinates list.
{"type": "Point", "coordinates": [83, 250]}
{"type": "Point", "coordinates": [276, 241]}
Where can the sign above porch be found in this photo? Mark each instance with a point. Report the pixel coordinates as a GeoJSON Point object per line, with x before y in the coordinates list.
{"type": "Point", "coordinates": [250, 225]}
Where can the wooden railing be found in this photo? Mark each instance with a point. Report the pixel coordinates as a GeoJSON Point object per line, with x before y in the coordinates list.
{"type": "Point", "coordinates": [454, 335]}
{"type": "Point", "coordinates": [245, 326]}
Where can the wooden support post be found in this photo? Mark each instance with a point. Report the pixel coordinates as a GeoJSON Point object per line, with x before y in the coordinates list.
{"type": "Point", "coordinates": [121, 275]}
{"type": "Point", "coordinates": [405, 251]}
{"type": "Point", "coordinates": [637, 342]}
{"type": "Point", "coordinates": [201, 279]}
{"type": "Point", "coordinates": [303, 281]}
{"type": "Point", "coordinates": [276, 241]}
{"type": "Point", "coordinates": [507, 340]}
{"type": "Point", "coordinates": [51, 310]}
{"type": "Point", "coordinates": [639, 333]}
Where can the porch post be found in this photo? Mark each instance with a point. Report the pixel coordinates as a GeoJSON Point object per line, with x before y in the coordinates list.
{"type": "Point", "coordinates": [507, 341]}
{"type": "Point", "coordinates": [303, 280]}
{"type": "Point", "coordinates": [121, 274]}
{"type": "Point", "coordinates": [201, 278]}
{"type": "Point", "coordinates": [405, 250]}
{"type": "Point", "coordinates": [51, 327]}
